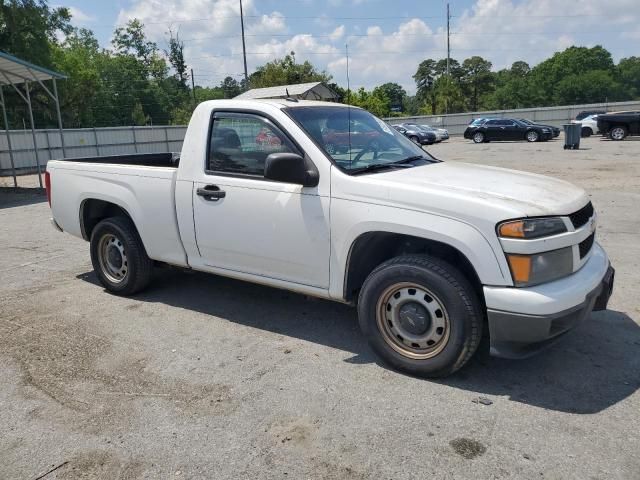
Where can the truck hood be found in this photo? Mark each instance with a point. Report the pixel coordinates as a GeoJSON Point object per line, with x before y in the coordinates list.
{"type": "Point", "coordinates": [479, 191]}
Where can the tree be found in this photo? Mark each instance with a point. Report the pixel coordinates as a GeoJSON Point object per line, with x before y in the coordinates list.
{"type": "Point", "coordinates": [629, 74]}
{"type": "Point", "coordinates": [176, 59]}
{"type": "Point", "coordinates": [131, 40]}
{"type": "Point", "coordinates": [375, 101]}
{"type": "Point", "coordinates": [29, 28]}
{"type": "Point", "coordinates": [286, 71]}
{"type": "Point", "coordinates": [230, 87]}
{"type": "Point", "coordinates": [477, 79]}
{"type": "Point", "coordinates": [588, 87]}
{"type": "Point", "coordinates": [394, 92]}
{"type": "Point", "coordinates": [425, 78]}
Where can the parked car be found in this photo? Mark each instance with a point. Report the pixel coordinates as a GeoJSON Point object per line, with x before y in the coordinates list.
{"type": "Point", "coordinates": [441, 133]}
{"type": "Point", "coordinates": [431, 252]}
{"type": "Point", "coordinates": [589, 113]}
{"type": "Point", "coordinates": [429, 129]}
{"type": "Point", "coordinates": [416, 134]}
{"type": "Point", "coordinates": [589, 125]}
{"type": "Point", "coordinates": [554, 130]}
{"type": "Point", "coordinates": [486, 130]}
{"type": "Point", "coordinates": [617, 125]}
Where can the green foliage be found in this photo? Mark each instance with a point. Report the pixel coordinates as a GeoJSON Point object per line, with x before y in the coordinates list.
{"type": "Point", "coordinates": [629, 75]}
{"type": "Point", "coordinates": [286, 71]}
{"type": "Point", "coordinates": [176, 59]}
{"type": "Point", "coordinates": [375, 101]}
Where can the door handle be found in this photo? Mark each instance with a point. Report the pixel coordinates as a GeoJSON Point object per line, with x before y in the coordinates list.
{"type": "Point", "coordinates": [211, 193]}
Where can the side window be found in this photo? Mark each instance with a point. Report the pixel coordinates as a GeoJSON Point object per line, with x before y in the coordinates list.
{"type": "Point", "coordinates": [240, 143]}
{"type": "Point", "coordinates": [509, 123]}
{"type": "Point", "coordinates": [492, 123]}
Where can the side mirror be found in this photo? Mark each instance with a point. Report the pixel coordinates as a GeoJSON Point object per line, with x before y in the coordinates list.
{"type": "Point", "coordinates": [290, 168]}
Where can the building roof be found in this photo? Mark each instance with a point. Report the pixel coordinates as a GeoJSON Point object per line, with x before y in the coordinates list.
{"type": "Point", "coordinates": [302, 91]}
{"type": "Point", "coordinates": [14, 70]}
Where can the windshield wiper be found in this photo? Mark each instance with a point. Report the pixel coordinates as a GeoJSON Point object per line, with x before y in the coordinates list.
{"type": "Point", "coordinates": [381, 166]}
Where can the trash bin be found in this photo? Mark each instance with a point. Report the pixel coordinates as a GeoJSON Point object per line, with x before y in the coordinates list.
{"type": "Point", "coordinates": [572, 133]}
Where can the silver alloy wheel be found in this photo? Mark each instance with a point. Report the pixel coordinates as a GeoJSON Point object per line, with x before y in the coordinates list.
{"type": "Point", "coordinates": [330, 148]}
{"type": "Point", "coordinates": [413, 321]}
{"type": "Point", "coordinates": [112, 258]}
{"type": "Point", "coordinates": [532, 136]}
{"type": "Point", "coordinates": [617, 133]}
{"type": "Point", "coordinates": [415, 139]}
{"type": "Point", "coordinates": [478, 137]}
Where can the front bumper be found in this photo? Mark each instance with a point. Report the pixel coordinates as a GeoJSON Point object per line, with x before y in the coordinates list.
{"type": "Point", "coordinates": [518, 332]}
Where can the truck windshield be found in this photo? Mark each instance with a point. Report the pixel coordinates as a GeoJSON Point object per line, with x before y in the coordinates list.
{"type": "Point", "coordinates": [357, 140]}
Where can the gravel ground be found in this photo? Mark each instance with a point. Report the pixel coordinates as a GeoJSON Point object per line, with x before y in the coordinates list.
{"type": "Point", "coordinates": [204, 377]}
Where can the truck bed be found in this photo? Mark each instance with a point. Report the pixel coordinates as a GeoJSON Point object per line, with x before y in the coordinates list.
{"type": "Point", "coordinates": [163, 159]}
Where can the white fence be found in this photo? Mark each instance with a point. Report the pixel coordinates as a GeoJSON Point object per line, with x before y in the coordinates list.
{"type": "Point", "coordinates": [456, 123]}
{"type": "Point", "coordinates": [85, 142]}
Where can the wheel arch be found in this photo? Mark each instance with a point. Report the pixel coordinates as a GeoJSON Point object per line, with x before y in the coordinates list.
{"type": "Point", "coordinates": [94, 210]}
{"type": "Point", "coordinates": [372, 248]}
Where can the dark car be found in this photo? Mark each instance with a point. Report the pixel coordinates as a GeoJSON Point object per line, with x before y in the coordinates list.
{"type": "Point", "coordinates": [554, 130]}
{"type": "Point", "coordinates": [619, 124]}
{"type": "Point", "coordinates": [587, 113]}
{"type": "Point", "coordinates": [486, 130]}
{"type": "Point", "coordinates": [416, 133]}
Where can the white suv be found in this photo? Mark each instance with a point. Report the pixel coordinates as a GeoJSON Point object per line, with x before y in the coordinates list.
{"type": "Point", "coordinates": [589, 125]}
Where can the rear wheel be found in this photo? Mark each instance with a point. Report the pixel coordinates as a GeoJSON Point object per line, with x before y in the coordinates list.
{"type": "Point", "coordinates": [532, 136]}
{"type": "Point", "coordinates": [478, 137]}
{"type": "Point", "coordinates": [119, 257]}
{"type": "Point", "coordinates": [330, 148]}
{"type": "Point", "coordinates": [586, 132]}
{"type": "Point", "coordinates": [420, 315]}
{"type": "Point", "coordinates": [618, 133]}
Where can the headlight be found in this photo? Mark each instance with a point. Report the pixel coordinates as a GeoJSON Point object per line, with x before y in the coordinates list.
{"type": "Point", "coordinates": [529, 228]}
{"type": "Point", "coordinates": [527, 270]}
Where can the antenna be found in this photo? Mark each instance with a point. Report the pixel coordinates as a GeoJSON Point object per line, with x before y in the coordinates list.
{"type": "Point", "coordinates": [346, 46]}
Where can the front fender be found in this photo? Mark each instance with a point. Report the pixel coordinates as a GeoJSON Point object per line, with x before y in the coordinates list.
{"type": "Point", "coordinates": [488, 263]}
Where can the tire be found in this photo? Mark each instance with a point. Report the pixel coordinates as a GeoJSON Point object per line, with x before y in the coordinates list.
{"type": "Point", "coordinates": [478, 137]}
{"type": "Point", "coordinates": [415, 139]}
{"type": "Point", "coordinates": [586, 132]}
{"type": "Point", "coordinates": [330, 148]}
{"type": "Point", "coordinates": [618, 133]}
{"type": "Point", "coordinates": [532, 136]}
{"type": "Point", "coordinates": [118, 256]}
{"type": "Point", "coordinates": [430, 297]}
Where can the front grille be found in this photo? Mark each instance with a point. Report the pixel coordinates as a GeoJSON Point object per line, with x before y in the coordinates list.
{"type": "Point", "coordinates": [586, 245]}
{"type": "Point", "coordinates": [582, 216]}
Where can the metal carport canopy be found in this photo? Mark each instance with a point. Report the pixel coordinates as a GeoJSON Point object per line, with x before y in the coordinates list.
{"type": "Point", "coordinates": [15, 71]}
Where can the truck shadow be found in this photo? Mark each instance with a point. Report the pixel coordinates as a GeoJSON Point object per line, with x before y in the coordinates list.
{"type": "Point", "coordinates": [591, 369]}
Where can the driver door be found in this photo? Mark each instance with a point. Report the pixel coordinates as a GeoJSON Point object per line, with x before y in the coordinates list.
{"type": "Point", "coordinates": [251, 224]}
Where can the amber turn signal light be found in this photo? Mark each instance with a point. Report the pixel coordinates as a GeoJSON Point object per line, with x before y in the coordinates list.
{"type": "Point", "coordinates": [520, 268]}
{"type": "Point", "coordinates": [512, 229]}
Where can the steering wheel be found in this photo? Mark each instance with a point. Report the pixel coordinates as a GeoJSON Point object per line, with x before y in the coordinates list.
{"type": "Point", "coordinates": [372, 145]}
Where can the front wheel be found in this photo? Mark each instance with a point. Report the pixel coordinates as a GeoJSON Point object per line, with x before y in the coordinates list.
{"type": "Point", "coordinates": [415, 140]}
{"type": "Point", "coordinates": [586, 132]}
{"type": "Point", "coordinates": [421, 315]}
{"type": "Point", "coordinates": [618, 133]}
{"type": "Point", "coordinates": [119, 257]}
{"type": "Point", "coordinates": [532, 136]}
{"type": "Point", "coordinates": [478, 137]}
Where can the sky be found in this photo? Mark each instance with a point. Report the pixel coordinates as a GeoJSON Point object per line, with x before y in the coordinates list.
{"type": "Point", "coordinates": [386, 39]}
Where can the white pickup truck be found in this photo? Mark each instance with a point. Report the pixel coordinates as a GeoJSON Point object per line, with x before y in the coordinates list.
{"type": "Point", "coordinates": [432, 253]}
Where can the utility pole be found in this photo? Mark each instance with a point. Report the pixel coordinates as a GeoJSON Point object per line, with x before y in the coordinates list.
{"type": "Point", "coordinates": [448, 35]}
{"type": "Point", "coordinates": [244, 49]}
{"type": "Point", "coordinates": [193, 89]}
